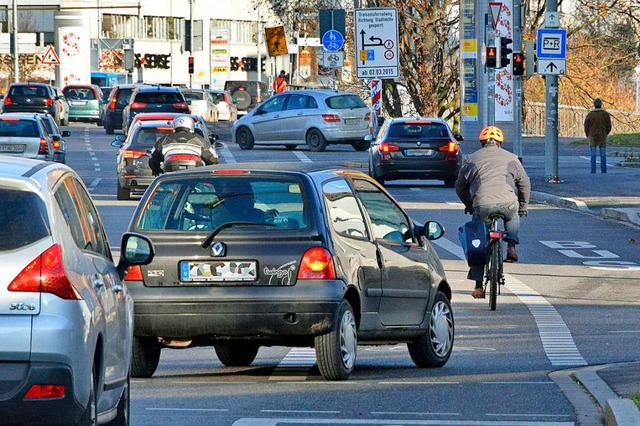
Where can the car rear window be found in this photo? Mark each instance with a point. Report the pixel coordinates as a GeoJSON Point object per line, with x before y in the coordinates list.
{"type": "Point", "coordinates": [217, 97]}
{"type": "Point", "coordinates": [23, 219]}
{"type": "Point", "coordinates": [345, 102]}
{"type": "Point", "coordinates": [146, 137]}
{"type": "Point", "coordinates": [123, 96]}
{"type": "Point", "coordinates": [203, 204]}
{"type": "Point", "coordinates": [418, 130]}
{"type": "Point", "coordinates": [23, 128]}
{"type": "Point", "coordinates": [159, 97]}
{"type": "Point", "coordinates": [197, 96]}
{"type": "Point", "coordinates": [35, 91]}
{"type": "Point", "coordinates": [80, 93]}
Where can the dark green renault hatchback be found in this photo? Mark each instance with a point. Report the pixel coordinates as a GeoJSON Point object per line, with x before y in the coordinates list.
{"type": "Point", "coordinates": [262, 254]}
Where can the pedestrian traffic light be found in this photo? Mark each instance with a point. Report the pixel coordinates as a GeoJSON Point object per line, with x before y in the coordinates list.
{"type": "Point", "coordinates": [491, 55]}
{"type": "Point", "coordinates": [190, 64]}
{"type": "Point", "coordinates": [503, 52]}
{"type": "Point", "coordinates": [518, 63]}
{"type": "Point", "coordinates": [529, 58]}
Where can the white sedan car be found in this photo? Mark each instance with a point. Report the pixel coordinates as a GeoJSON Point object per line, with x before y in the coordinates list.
{"type": "Point", "coordinates": [201, 103]}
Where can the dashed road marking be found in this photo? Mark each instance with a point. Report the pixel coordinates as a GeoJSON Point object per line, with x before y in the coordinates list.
{"type": "Point", "coordinates": [226, 154]}
{"type": "Point", "coordinates": [295, 365]}
{"type": "Point", "coordinates": [302, 157]}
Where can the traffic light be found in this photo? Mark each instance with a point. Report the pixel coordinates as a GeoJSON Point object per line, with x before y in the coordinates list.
{"type": "Point", "coordinates": [491, 56]}
{"type": "Point", "coordinates": [518, 63]}
{"type": "Point", "coordinates": [529, 58]}
{"type": "Point", "coordinates": [503, 52]}
{"type": "Point", "coordinates": [190, 64]}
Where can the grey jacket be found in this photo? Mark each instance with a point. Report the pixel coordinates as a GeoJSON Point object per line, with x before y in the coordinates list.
{"type": "Point", "coordinates": [492, 175]}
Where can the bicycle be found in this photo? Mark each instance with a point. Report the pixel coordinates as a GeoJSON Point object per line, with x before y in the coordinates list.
{"type": "Point", "coordinates": [494, 272]}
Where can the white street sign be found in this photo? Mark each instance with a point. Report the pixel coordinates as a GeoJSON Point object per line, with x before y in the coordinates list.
{"type": "Point", "coordinates": [376, 35]}
{"type": "Point", "coordinates": [309, 41]}
{"type": "Point", "coordinates": [552, 66]}
{"type": "Point", "coordinates": [333, 59]}
{"type": "Point", "coordinates": [552, 20]}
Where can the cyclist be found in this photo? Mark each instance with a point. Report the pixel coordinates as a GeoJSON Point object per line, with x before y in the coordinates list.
{"type": "Point", "coordinates": [183, 133]}
{"type": "Point", "coordinates": [493, 181]}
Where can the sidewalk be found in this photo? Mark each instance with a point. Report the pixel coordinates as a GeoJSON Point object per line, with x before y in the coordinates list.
{"type": "Point", "coordinates": [600, 393]}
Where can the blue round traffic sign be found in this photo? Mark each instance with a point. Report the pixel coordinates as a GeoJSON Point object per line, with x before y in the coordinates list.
{"type": "Point", "coordinates": [332, 40]}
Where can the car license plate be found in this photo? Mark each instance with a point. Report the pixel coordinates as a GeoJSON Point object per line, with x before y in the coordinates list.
{"type": "Point", "coordinates": [17, 148]}
{"type": "Point", "coordinates": [419, 152]}
{"type": "Point", "coordinates": [82, 103]}
{"type": "Point", "coordinates": [351, 121]}
{"type": "Point", "coordinates": [229, 270]}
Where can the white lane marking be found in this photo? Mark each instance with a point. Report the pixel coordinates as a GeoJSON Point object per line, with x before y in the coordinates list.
{"type": "Point", "coordinates": [95, 183]}
{"type": "Point", "coordinates": [274, 422]}
{"type": "Point", "coordinates": [527, 415]}
{"type": "Point", "coordinates": [302, 157]}
{"type": "Point", "coordinates": [227, 155]}
{"type": "Point", "coordinates": [556, 338]}
{"type": "Point", "coordinates": [408, 382]}
{"type": "Point", "coordinates": [518, 383]}
{"type": "Point", "coordinates": [223, 410]}
{"type": "Point", "coordinates": [597, 159]}
{"type": "Point", "coordinates": [401, 413]}
{"type": "Point", "coordinates": [300, 411]}
{"type": "Point", "coordinates": [295, 365]}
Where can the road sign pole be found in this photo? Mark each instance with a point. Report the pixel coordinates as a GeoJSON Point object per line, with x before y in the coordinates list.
{"type": "Point", "coordinates": [517, 82]}
{"type": "Point", "coordinates": [551, 119]}
{"type": "Point", "coordinates": [490, 34]}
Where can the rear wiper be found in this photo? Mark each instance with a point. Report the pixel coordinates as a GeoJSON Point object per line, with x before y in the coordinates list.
{"type": "Point", "coordinates": [207, 242]}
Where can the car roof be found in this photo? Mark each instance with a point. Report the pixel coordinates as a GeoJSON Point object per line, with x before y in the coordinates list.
{"type": "Point", "coordinates": [417, 119]}
{"type": "Point", "coordinates": [25, 83]}
{"type": "Point", "coordinates": [21, 115]}
{"type": "Point", "coordinates": [146, 88]}
{"type": "Point", "coordinates": [20, 166]}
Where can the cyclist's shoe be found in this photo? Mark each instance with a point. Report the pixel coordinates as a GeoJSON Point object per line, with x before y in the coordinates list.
{"type": "Point", "coordinates": [512, 255]}
{"type": "Point", "coordinates": [477, 293]}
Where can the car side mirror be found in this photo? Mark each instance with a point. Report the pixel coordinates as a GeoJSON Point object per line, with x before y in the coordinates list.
{"type": "Point", "coordinates": [213, 137]}
{"type": "Point", "coordinates": [459, 137]}
{"type": "Point", "coordinates": [368, 138]}
{"type": "Point", "coordinates": [135, 249]}
{"type": "Point", "coordinates": [66, 133]}
{"type": "Point", "coordinates": [433, 230]}
{"type": "Point", "coordinates": [56, 138]}
{"type": "Point", "coordinates": [188, 101]}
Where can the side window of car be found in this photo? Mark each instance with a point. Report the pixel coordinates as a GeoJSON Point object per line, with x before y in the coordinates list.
{"type": "Point", "coordinates": [71, 215]}
{"type": "Point", "coordinates": [97, 233]}
{"type": "Point", "coordinates": [388, 222]}
{"type": "Point", "coordinates": [274, 104]}
{"type": "Point", "coordinates": [345, 216]}
{"type": "Point", "coordinates": [297, 102]}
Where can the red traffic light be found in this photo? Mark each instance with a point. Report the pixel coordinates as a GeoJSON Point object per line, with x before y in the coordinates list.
{"type": "Point", "coordinates": [491, 57]}
{"type": "Point", "coordinates": [191, 65]}
{"type": "Point", "coordinates": [518, 63]}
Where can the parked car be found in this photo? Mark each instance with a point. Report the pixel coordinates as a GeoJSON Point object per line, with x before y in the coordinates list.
{"type": "Point", "coordinates": [264, 254]}
{"type": "Point", "coordinates": [201, 103]}
{"type": "Point", "coordinates": [247, 94]}
{"type": "Point", "coordinates": [227, 109]}
{"type": "Point", "coordinates": [416, 148]}
{"type": "Point", "coordinates": [34, 97]}
{"type": "Point", "coordinates": [24, 135]}
{"type": "Point", "coordinates": [313, 117]}
{"type": "Point", "coordinates": [201, 126]}
{"type": "Point", "coordinates": [153, 99]}
{"type": "Point", "coordinates": [118, 99]}
{"type": "Point", "coordinates": [66, 317]}
{"type": "Point", "coordinates": [57, 138]}
{"type": "Point", "coordinates": [85, 103]}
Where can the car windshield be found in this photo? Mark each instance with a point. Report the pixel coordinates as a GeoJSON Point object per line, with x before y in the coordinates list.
{"type": "Point", "coordinates": [23, 219]}
{"type": "Point", "coordinates": [203, 204]}
{"type": "Point", "coordinates": [23, 128]}
{"type": "Point", "coordinates": [418, 130]}
{"type": "Point", "coordinates": [345, 102]}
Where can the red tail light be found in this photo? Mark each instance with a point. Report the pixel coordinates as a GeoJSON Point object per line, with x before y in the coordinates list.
{"type": "Point", "coordinates": [48, 102]}
{"type": "Point", "coordinates": [138, 105]}
{"type": "Point", "coordinates": [45, 274]}
{"type": "Point", "coordinates": [181, 157]}
{"type": "Point", "coordinates": [226, 98]}
{"type": "Point", "coordinates": [112, 104]}
{"type": "Point", "coordinates": [134, 273]}
{"type": "Point", "coordinates": [56, 145]}
{"type": "Point", "coordinates": [450, 147]}
{"type": "Point", "coordinates": [331, 118]}
{"type": "Point", "coordinates": [316, 264]}
{"type": "Point", "coordinates": [387, 147]}
{"type": "Point", "coordinates": [180, 105]}
{"type": "Point", "coordinates": [129, 153]}
{"type": "Point", "coordinates": [43, 149]}
{"type": "Point", "coordinates": [45, 392]}
{"type": "Point", "coordinates": [495, 234]}
{"type": "Point", "coordinates": [7, 101]}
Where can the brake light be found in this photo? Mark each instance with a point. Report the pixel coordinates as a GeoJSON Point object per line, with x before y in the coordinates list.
{"type": "Point", "coordinates": [226, 98]}
{"type": "Point", "coordinates": [138, 105]}
{"type": "Point", "coordinates": [130, 153]}
{"type": "Point", "coordinates": [387, 147]}
{"type": "Point", "coordinates": [7, 101]}
{"type": "Point", "coordinates": [331, 118]}
{"type": "Point", "coordinates": [180, 105]}
{"type": "Point", "coordinates": [43, 149]}
{"type": "Point", "coordinates": [231, 172]}
{"type": "Point", "coordinates": [45, 392]}
{"type": "Point", "coordinates": [450, 147]}
{"type": "Point", "coordinates": [45, 274]}
{"type": "Point", "coordinates": [56, 145]}
{"type": "Point", "coordinates": [112, 104]}
{"type": "Point", "coordinates": [134, 273]}
{"type": "Point", "coordinates": [316, 264]}
{"type": "Point", "coordinates": [48, 102]}
{"type": "Point", "coordinates": [182, 157]}
{"type": "Point", "coordinates": [9, 119]}
{"type": "Point", "coordinates": [495, 234]}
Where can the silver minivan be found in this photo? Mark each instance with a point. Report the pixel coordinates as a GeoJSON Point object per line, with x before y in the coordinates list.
{"type": "Point", "coordinates": [316, 118]}
{"type": "Point", "coordinates": [66, 316]}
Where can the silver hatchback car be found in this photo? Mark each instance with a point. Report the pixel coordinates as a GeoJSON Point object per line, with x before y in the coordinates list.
{"type": "Point", "coordinates": [66, 316]}
{"type": "Point", "coordinates": [316, 118]}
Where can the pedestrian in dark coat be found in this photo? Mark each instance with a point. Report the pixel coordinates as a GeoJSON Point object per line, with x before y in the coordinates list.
{"type": "Point", "coordinates": [597, 126]}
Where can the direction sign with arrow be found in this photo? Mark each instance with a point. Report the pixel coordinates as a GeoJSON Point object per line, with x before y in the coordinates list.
{"type": "Point", "coordinates": [376, 42]}
{"type": "Point", "coordinates": [552, 66]}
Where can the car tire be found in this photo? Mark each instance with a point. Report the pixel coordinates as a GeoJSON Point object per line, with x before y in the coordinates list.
{"type": "Point", "coordinates": [245, 139]}
{"type": "Point", "coordinates": [65, 120]}
{"type": "Point", "coordinates": [378, 179]}
{"type": "Point", "coordinates": [109, 130]}
{"type": "Point", "coordinates": [433, 349]}
{"type": "Point", "coordinates": [145, 357]}
{"type": "Point", "coordinates": [316, 141]}
{"type": "Point", "coordinates": [361, 145]}
{"type": "Point", "coordinates": [450, 183]}
{"type": "Point", "coordinates": [123, 412]}
{"type": "Point", "coordinates": [123, 193]}
{"type": "Point", "coordinates": [90, 414]}
{"type": "Point", "coordinates": [99, 122]}
{"type": "Point", "coordinates": [336, 351]}
{"type": "Point", "coordinates": [242, 99]}
{"type": "Point", "coordinates": [290, 147]}
{"type": "Point", "coordinates": [237, 354]}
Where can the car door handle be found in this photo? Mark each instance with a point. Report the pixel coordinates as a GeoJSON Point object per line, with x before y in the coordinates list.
{"type": "Point", "coordinates": [97, 281]}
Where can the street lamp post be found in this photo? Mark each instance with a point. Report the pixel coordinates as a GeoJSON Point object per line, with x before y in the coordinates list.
{"type": "Point", "coordinates": [14, 35]}
{"type": "Point", "coordinates": [191, 49]}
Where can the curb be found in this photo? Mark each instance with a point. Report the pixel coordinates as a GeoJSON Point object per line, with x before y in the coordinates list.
{"type": "Point", "coordinates": [543, 197]}
{"type": "Point", "coordinates": [623, 214]}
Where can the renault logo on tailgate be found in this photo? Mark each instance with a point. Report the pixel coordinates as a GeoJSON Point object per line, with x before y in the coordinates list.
{"type": "Point", "coordinates": [218, 249]}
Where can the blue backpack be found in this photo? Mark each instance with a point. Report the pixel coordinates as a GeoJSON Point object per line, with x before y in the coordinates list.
{"type": "Point", "coordinates": [473, 237]}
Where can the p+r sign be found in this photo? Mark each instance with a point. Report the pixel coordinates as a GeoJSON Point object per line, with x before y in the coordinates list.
{"type": "Point", "coordinates": [551, 43]}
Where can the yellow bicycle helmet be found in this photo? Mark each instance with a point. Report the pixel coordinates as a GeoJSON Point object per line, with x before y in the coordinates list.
{"type": "Point", "coordinates": [493, 133]}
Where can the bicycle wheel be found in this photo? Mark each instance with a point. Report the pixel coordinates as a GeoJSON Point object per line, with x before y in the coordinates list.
{"type": "Point", "coordinates": [494, 273]}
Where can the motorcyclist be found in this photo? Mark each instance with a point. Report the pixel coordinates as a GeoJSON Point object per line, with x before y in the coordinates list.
{"type": "Point", "coordinates": [183, 133]}
{"type": "Point", "coordinates": [492, 180]}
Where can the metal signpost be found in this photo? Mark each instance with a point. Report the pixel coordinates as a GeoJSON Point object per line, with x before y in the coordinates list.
{"type": "Point", "coordinates": [333, 41]}
{"type": "Point", "coordinates": [376, 37]}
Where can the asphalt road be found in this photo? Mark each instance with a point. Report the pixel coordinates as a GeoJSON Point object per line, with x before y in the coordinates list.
{"type": "Point", "coordinates": [571, 301]}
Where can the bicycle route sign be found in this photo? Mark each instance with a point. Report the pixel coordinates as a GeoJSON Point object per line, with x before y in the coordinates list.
{"type": "Point", "coordinates": [376, 35]}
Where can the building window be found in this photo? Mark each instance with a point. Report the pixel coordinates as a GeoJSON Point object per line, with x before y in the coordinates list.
{"type": "Point", "coordinates": [150, 28]}
{"type": "Point", "coordinates": [240, 32]}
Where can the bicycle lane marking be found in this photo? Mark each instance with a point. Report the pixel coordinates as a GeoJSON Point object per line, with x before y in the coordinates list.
{"type": "Point", "coordinates": [558, 344]}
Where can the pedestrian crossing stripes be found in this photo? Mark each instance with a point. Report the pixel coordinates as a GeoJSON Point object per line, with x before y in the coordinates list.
{"type": "Point", "coordinates": [295, 365]}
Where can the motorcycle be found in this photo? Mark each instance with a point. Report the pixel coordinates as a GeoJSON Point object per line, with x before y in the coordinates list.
{"type": "Point", "coordinates": [181, 157]}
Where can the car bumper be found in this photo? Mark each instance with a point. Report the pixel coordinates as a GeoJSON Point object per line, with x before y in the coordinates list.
{"type": "Point", "coordinates": [268, 313]}
{"type": "Point", "coordinates": [137, 182]}
{"type": "Point", "coordinates": [342, 135]}
{"type": "Point", "coordinates": [408, 168]}
{"type": "Point", "coordinates": [16, 378]}
{"type": "Point", "coordinates": [84, 115]}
